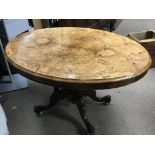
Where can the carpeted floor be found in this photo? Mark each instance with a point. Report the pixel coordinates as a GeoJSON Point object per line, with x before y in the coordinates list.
{"type": "Point", "coordinates": [132, 111]}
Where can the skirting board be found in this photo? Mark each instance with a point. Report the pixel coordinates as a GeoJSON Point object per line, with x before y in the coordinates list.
{"type": "Point", "coordinates": [19, 82]}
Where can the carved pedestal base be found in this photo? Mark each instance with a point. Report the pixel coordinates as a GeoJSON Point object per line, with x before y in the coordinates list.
{"type": "Point", "coordinates": [76, 96]}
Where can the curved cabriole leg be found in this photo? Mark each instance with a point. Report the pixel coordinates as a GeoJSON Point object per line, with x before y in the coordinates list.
{"type": "Point", "coordinates": [105, 100]}
{"type": "Point", "coordinates": [53, 100]}
{"type": "Point", "coordinates": [82, 109]}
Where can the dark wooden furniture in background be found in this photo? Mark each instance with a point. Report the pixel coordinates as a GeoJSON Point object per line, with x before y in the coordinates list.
{"type": "Point", "coordinates": [77, 61]}
{"type": "Point", "coordinates": [103, 24]}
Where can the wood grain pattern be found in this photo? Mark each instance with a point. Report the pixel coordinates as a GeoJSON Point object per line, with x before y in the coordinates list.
{"type": "Point", "coordinates": [77, 56]}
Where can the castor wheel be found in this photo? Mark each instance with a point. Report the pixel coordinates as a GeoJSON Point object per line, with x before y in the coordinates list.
{"type": "Point", "coordinates": [38, 110]}
{"type": "Point", "coordinates": [106, 100]}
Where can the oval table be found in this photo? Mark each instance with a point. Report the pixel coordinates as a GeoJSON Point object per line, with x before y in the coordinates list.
{"type": "Point", "coordinates": [77, 61]}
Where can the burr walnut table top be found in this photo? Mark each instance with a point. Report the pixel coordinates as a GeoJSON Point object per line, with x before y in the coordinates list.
{"type": "Point", "coordinates": [78, 57]}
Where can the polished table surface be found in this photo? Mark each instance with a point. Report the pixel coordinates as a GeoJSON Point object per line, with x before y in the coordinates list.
{"type": "Point", "coordinates": [81, 57]}
{"type": "Point", "coordinates": [76, 61]}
